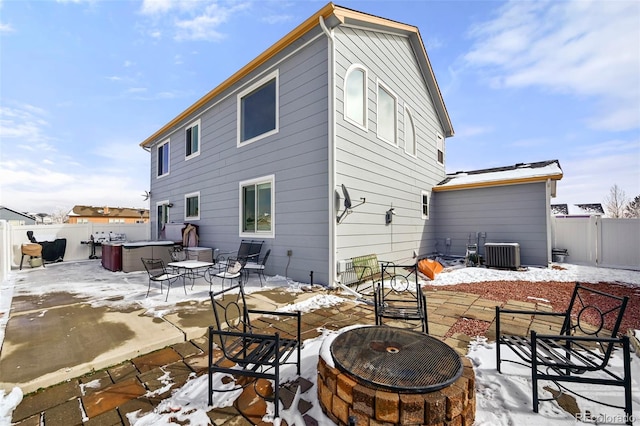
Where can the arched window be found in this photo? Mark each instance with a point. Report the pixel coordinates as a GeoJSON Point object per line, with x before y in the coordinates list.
{"type": "Point", "coordinates": [355, 99]}
{"type": "Point", "coordinates": [410, 141]}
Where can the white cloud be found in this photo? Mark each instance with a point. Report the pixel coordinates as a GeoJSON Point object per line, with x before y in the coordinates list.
{"type": "Point", "coordinates": [583, 48]}
{"type": "Point", "coordinates": [6, 28]}
{"type": "Point", "coordinates": [24, 122]}
{"type": "Point", "coordinates": [277, 19]}
{"type": "Point", "coordinates": [590, 173]}
{"type": "Point", "coordinates": [190, 20]}
{"type": "Point", "coordinates": [466, 131]}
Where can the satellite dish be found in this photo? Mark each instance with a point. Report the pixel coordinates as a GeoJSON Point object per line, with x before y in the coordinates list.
{"type": "Point", "coordinates": [347, 204]}
{"type": "Point", "coordinates": [347, 198]}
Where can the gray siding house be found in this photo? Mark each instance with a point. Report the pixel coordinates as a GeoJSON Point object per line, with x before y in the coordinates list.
{"type": "Point", "coordinates": [345, 105]}
{"type": "Point", "coordinates": [347, 99]}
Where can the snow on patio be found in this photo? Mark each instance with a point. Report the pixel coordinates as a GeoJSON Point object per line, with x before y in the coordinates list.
{"type": "Point", "coordinates": [502, 399]}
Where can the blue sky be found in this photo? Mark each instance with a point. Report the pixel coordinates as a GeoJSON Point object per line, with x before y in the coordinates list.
{"type": "Point", "coordinates": [83, 82]}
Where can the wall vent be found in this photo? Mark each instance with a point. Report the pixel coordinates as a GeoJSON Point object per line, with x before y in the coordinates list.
{"type": "Point", "coordinates": [502, 255]}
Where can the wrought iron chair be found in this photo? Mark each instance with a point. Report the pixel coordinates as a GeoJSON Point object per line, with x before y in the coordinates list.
{"type": "Point", "coordinates": [402, 297]}
{"type": "Point", "coordinates": [258, 267]}
{"type": "Point", "coordinates": [232, 268]}
{"type": "Point", "coordinates": [158, 273]}
{"type": "Point", "coordinates": [580, 352]}
{"type": "Point", "coordinates": [254, 355]}
{"type": "Point", "coordinates": [249, 250]}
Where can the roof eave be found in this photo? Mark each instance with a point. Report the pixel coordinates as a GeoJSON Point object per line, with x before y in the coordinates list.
{"type": "Point", "coordinates": [517, 181]}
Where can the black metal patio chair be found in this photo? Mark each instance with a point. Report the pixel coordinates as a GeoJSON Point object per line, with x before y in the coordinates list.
{"type": "Point", "coordinates": [399, 296]}
{"type": "Point", "coordinates": [580, 352]}
{"type": "Point", "coordinates": [258, 268]}
{"type": "Point", "coordinates": [245, 352]}
{"type": "Point", "coordinates": [158, 273]}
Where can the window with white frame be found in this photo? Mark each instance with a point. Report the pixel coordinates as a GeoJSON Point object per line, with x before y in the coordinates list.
{"type": "Point", "coordinates": [258, 110]}
{"type": "Point", "coordinates": [410, 141]}
{"type": "Point", "coordinates": [257, 215]}
{"type": "Point", "coordinates": [192, 206]}
{"type": "Point", "coordinates": [192, 140]}
{"type": "Point", "coordinates": [440, 148]}
{"type": "Point", "coordinates": [355, 96]}
{"type": "Point", "coordinates": [387, 107]}
{"type": "Point", "coordinates": [424, 202]}
{"type": "Point", "coordinates": [163, 158]}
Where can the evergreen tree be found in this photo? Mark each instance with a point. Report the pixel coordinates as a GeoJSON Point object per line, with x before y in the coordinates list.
{"type": "Point", "coordinates": [632, 210]}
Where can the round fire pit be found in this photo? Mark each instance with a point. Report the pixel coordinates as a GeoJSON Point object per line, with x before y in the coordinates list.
{"type": "Point", "coordinates": [398, 376]}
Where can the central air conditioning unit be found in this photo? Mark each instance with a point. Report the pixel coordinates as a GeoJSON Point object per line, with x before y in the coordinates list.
{"type": "Point", "coordinates": [502, 255]}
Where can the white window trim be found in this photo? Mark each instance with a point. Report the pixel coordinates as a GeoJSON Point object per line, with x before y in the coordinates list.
{"type": "Point", "coordinates": [254, 86]}
{"type": "Point", "coordinates": [352, 68]}
{"type": "Point", "coordinates": [193, 154]}
{"type": "Point", "coordinates": [408, 119]}
{"type": "Point", "coordinates": [440, 143]}
{"type": "Point", "coordinates": [190, 195]}
{"type": "Point", "coordinates": [161, 144]}
{"type": "Point", "coordinates": [395, 113]}
{"type": "Point", "coordinates": [428, 194]}
{"type": "Point", "coordinates": [272, 180]}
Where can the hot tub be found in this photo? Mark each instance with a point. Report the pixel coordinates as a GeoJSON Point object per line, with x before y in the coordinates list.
{"type": "Point", "coordinates": [134, 250]}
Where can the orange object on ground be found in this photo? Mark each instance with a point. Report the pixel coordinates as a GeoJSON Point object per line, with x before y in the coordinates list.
{"type": "Point", "coordinates": [430, 267]}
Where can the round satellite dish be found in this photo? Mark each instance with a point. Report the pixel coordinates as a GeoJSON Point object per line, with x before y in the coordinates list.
{"type": "Point", "coordinates": [347, 198]}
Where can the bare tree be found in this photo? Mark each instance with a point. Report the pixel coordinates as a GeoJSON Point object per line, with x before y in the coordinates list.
{"type": "Point", "coordinates": [632, 210]}
{"type": "Point", "coordinates": [59, 216]}
{"type": "Point", "coordinates": [615, 202]}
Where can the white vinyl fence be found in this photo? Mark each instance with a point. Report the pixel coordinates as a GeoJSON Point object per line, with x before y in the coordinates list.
{"type": "Point", "coordinates": [13, 236]}
{"type": "Point", "coordinates": [596, 241]}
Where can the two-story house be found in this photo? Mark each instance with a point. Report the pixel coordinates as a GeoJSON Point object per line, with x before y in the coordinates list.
{"type": "Point", "coordinates": [345, 99]}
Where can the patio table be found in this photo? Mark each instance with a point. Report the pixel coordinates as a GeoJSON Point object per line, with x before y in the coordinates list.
{"type": "Point", "coordinates": [192, 268]}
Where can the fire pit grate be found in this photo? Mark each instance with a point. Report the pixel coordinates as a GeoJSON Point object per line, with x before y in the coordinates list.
{"type": "Point", "coordinates": [396, 359]}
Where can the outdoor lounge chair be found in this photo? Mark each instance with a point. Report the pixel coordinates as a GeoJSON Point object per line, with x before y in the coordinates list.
{"type": "Point", "coordinates": [580, 352]}
{"type": "Point", "coordinates": [158, 273]}
{"type": "Point", "coordinates": [245, 352]}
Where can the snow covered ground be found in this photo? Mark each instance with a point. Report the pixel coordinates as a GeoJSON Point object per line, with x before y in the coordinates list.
{"type": "Point", "coordinates": [502, 399]}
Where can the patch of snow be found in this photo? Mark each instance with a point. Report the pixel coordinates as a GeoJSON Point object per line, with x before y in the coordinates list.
{"type": "Point", "coordinates": [8, 403]}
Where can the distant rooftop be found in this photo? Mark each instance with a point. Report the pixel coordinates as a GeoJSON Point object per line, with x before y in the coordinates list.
{"type": "Point", "coordinates": [106, 211]}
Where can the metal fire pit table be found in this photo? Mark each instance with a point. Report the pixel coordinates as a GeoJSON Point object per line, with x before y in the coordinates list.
{"type": "Point", "coordinates": [396, 359]}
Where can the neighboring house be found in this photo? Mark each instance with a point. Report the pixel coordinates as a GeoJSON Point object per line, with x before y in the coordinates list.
{"type": "Point", "coordinates": [577, 210]}
{"type": "Point", "coordinates": [89, 214]}
{"type": "Point", "coordinates": [16, 218]}
{"type": "Point", "coordinates": [505, 204]}
{"type": "Point", "coordinates": [346, 98]}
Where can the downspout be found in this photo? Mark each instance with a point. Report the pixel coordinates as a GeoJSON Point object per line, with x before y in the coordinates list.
{"type": "Point", "coordinates": [331, 154]}
{"type": "Point", "coordinates": [548, 222]}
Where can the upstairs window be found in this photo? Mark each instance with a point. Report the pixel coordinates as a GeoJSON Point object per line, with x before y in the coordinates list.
{"type": "Point", "coordinates": [440, 148]}
{"type": "Point", "coordinates": [387, 107]}
{"type": "Point", "coordinates": [258, 110]}
{"type": "Point", "coordinates": [163, 159]}
{"type": "Point", "coordinates": [192, 206]}
{"type": "Point", "coordinates": [257, 207]}
{"type": "Point", "coordinates": [410, 141]}
{"type": "Point", "coordinates": [192, 140]}
{"type": "Point", "coordinates": [355, 99]}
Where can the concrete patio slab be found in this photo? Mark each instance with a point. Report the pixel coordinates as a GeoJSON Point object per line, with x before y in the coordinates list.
{"type": "Point", "coordinates": [52, 344]}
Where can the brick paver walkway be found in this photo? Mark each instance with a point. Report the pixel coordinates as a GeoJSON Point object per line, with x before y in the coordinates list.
{"type": "Point", "coordinates": [104, 398]}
